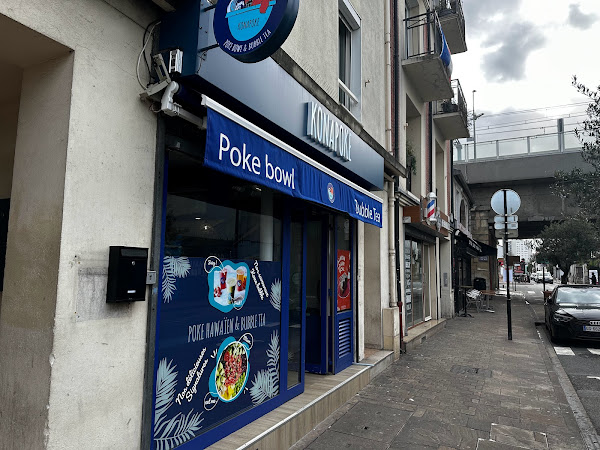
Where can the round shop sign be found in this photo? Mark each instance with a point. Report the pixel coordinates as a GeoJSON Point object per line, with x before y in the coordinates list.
{"type": "Point", "coordinates": [252, 30]}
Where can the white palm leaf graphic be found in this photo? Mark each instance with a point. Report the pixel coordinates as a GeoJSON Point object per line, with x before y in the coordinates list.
{"type": "Point", "coordinates": [166, 380]}
{"type": "Point", "coordinates": [266, 382]}
{"type": "Point", "coordinates": [275, 298]}
{"type": "Point", "coordinates": [273, 354]}
{"type": "Point", "coordinates": [179, 429]}
{"type": "Point", "coordinates": [260, 387]}
{"type": "Point", "coordinates": [173, 267]}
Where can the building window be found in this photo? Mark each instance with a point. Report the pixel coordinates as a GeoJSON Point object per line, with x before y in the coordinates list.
{"type": "Point", "coordinates": [349, 58]}
{"type": "Point", "coordinates": [463, 213]}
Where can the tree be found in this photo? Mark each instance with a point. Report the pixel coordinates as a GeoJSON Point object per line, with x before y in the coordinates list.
{"type": "Point", "coordinates": [566, 243]}
{"type": "Point", "coordinates": [579, 185]}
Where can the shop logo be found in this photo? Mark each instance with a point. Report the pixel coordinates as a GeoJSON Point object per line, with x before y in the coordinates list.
{"type": "Point", "coordinates": [252, 30]}
{"type": "Point", "coordinates": [330, 193]}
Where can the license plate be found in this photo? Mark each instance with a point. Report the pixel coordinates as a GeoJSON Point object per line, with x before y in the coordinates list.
{"type": "Point", "coordinates": [593, 328]}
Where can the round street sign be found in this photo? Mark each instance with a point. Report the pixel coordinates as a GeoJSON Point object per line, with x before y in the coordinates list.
{"type": "Point", "coordinates": [513, 201]}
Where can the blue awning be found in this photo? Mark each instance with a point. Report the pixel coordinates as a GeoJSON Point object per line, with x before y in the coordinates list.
{"type": "Point", "coordinates": [237, 147]}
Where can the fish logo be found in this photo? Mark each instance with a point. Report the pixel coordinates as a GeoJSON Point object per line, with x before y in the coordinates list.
{"type": "Point", "coordinates": [247, 18]}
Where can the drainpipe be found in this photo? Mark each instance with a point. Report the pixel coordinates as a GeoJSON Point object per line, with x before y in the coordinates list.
{"type": "Point", "coordinates": [396, 96]}
{"type": "Point", "coordinates": [393, 301]}
{"type": "Point", "coordinates": [388, 75]}
{"type": "Point", "coordinates": [430, 137]}
{"type": "Point", "coordinates": [392, 244]}
{"type": "Point", "coordinates": [453, 266]}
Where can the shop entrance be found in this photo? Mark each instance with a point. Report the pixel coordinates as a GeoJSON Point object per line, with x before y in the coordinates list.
{"type": "Point", "coordinates": [417, 272]}
{"type": "Point", "coordinates": [329, 293]}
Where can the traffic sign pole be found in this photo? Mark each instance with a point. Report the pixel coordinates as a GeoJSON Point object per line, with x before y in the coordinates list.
{"type": "Point", "coordinates": [507, 202]}
{"type": "Point", "coordinates": [508, 306]}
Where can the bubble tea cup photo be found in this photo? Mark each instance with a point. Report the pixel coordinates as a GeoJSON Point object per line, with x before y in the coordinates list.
{"type": "Point", "coordinates": [241, 279]}
{"type": "Point", "coordinates": [231, 284]}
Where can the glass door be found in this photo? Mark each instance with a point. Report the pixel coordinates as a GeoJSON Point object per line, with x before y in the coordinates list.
{"type": "Point", "coordinates": [418, 288]}
{"type": "Point", "coordinates": [316, 294]}
{"type": "Point", "coordinates": [329, 293]}
{"type": "Point", "coordinates": [295, 365]}
{"type": "Point", "coordinates": [427, 281]}
{"type": "Point", "coordinates": [416, 283]}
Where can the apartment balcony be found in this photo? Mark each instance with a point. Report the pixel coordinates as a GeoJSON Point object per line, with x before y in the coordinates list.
{"type": "Point", "coordinates": [427, 63]}
{"type": "Point", "coordinates": [450, 116]}
{"type": "Point", "coordinates": [452, 20]}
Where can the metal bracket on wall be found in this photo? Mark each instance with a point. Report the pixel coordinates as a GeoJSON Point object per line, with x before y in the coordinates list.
{"type": "Point", "coordinates": [151, 277]}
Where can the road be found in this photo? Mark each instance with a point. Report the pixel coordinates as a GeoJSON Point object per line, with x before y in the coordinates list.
{"type": "Point", "coordinates": [580, 360]}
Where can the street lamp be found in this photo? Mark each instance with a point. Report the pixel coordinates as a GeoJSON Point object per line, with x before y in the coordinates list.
{"type": "Point", "coordinates": [475, 117]}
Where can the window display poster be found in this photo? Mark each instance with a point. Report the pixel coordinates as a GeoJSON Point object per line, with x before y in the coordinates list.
{"type": "Point", "coordinates": [218, 344]}
{"type": "Point", "coordinates": [343, 280]}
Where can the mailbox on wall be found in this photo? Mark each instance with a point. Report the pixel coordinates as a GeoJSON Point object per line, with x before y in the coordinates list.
{"type": "Point", "coordinates": [126, 274]}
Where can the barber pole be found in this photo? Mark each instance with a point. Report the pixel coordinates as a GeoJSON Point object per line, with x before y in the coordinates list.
{"type": "Point", "coordinates": [430, 213]}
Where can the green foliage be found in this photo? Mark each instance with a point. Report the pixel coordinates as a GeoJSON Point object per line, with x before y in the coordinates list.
{"type": "Point", "coordinates": [568, 242]}
{"type": "Point", "coordinates": [582, 187]}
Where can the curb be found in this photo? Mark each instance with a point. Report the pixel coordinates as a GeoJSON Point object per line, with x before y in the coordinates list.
{"type": "Point", "coordinates": [586, 428]}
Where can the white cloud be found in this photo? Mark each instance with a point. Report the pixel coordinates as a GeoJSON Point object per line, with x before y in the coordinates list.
{"type": "Point", "coordinates": [522, 54]}
{"type": "Point", "coordinates": [579, 19]}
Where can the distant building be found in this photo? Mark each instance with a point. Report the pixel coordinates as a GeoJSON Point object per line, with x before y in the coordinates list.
{"type": "Point", "coordinates": [522, 248]}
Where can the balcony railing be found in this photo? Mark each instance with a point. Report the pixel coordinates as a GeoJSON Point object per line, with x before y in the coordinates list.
{"type": "Point", "coordinates": [423, 37]}
{"type": "Point", "coordinates": [456, 104]}
{"type": "Point", "coordinates": [519, 147]}
{"type": "Point", "coordinates": [450, 13]}
{"type": "Point", "coordinates": [427, 57]}
{"type": "Point", "coordinates": [451, 114]}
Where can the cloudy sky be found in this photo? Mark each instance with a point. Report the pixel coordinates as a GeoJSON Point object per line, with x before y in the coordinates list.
{"type": "Point", "coordinates": [522, 55]}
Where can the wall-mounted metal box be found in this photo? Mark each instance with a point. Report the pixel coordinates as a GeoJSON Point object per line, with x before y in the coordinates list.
{"type": "Point", "coordinates": [126, 274]}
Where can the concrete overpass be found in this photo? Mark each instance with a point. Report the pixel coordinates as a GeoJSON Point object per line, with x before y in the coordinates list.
{"type": "Point", "coordinates": [529, 173]}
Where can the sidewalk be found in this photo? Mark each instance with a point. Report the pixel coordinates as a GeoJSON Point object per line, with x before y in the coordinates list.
{"type": "Point", "coordinates": [468, 387]}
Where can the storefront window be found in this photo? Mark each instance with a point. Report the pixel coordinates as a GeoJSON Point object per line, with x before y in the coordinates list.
{"type": "Point", "coordinates": [219, 318]}
{"type": "Point", "coordinates": [295, 311]}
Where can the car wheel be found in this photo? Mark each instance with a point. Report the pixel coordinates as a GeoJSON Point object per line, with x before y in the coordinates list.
{"type": "Point", "coordinates": [553, 338]}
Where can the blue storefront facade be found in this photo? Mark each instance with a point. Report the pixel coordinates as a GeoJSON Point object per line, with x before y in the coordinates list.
{"type": "Point", "coordinates": [262, 195]}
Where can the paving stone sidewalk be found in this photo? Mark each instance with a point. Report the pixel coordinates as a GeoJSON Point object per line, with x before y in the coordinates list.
{"type": "Point", "coordinates": [468, 387]}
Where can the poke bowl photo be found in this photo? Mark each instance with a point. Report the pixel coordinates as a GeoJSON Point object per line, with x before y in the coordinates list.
{"type": "Point", "coordinates": [231, 371]}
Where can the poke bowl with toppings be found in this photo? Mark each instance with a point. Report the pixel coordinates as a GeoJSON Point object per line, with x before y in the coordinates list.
{"type": "Point", "coordinates": [231, 372]}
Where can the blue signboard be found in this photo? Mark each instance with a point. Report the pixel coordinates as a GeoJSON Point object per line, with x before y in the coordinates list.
{"type": "Point", "coordinates": [232, 149]}
{"type": "Point", "coordinates": [218, 344]}
{"type": "Point", "coordinates": [251, 30]}
{"type": "Point", "coordinates": [264, 87]}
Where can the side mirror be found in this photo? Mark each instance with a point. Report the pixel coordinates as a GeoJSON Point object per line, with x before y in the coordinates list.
{"type": "Point", "coordinates": [548, 297]}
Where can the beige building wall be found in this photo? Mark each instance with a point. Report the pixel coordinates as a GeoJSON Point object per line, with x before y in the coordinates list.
{"type": "Point", "coordinates": [316, 28]}
{"type": "Point", "coordinates": [72, 366]}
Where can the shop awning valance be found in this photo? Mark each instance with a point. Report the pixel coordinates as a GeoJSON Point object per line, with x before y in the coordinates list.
{"type": "Point", "coordinates": [236, 146]}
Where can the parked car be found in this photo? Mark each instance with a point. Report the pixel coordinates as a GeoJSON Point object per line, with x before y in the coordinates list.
{"type": "Point", "coordinates": [543, 276]}
{"type": "Point", "coordinates": [573, 312]}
